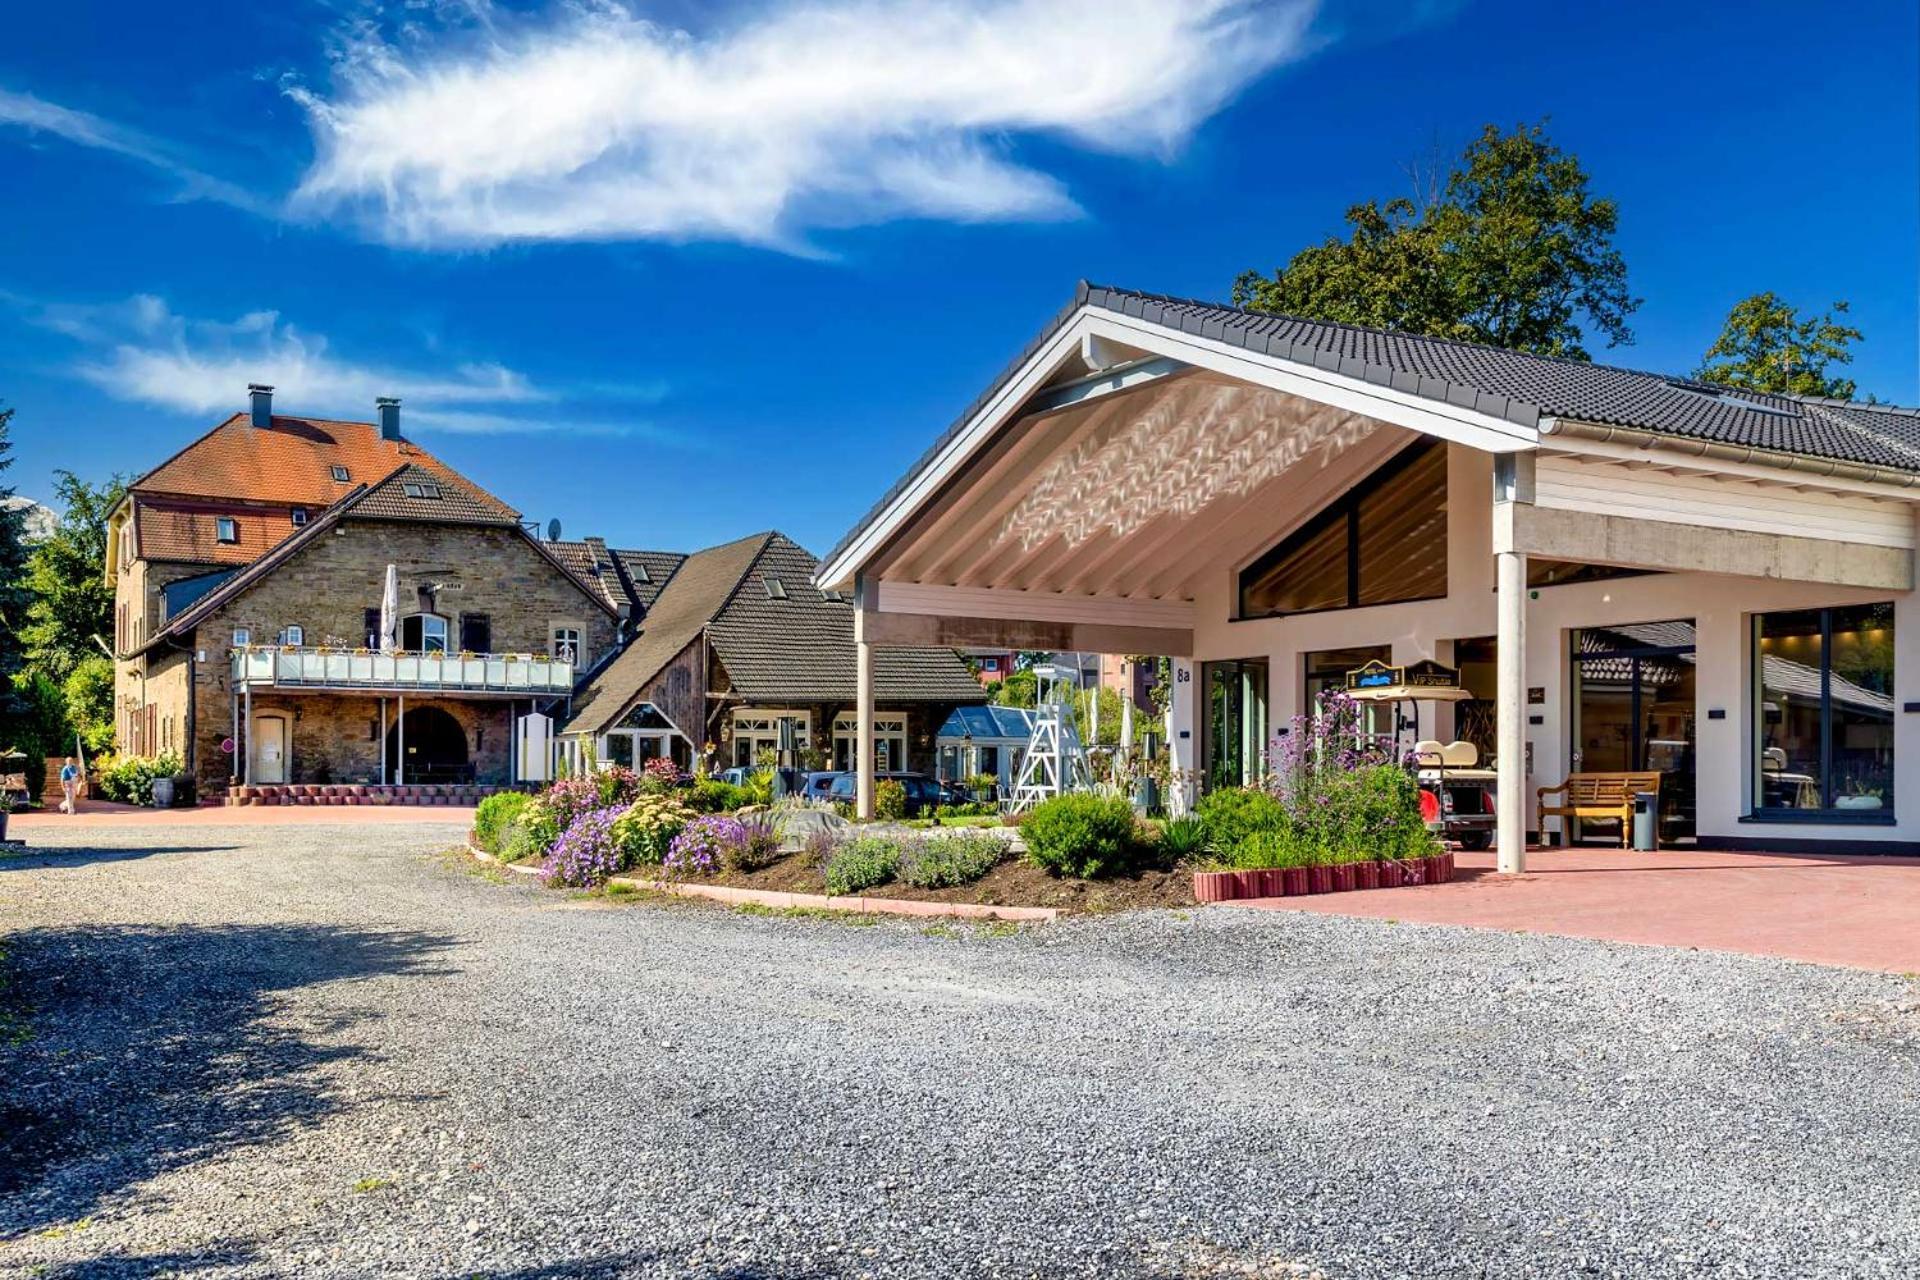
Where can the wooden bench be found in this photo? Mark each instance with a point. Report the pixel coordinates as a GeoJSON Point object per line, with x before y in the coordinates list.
{"type": "Point", "coordinates": [1596, 795]}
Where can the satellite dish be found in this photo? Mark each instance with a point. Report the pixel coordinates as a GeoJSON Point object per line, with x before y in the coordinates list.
{"type": "Point", "coordinates": [553, 529]}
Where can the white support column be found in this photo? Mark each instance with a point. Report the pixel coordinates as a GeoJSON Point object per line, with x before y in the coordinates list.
{"type": "Point", "coordinates": [1180, 739]}
{"type": "Point", "coordinates": [400, 747]}
{"type": "Point", "coordinates": [1510, 709]}
{"type": "Point", "coordinates": [383, 742]}
{"type": "Point", "coordinates": [863, 728]}
{"type": "Point", "coordinates": [246, 761]}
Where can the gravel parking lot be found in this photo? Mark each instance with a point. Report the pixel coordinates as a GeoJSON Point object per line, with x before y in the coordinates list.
{"type": "Point", "coordinates": [327, 1051]}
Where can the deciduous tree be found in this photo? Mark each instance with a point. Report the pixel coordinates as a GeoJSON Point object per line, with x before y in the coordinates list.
{"type": "Point", "coordinates": [1513, 250]}
{"type": "Point", "coordinates": [1768, 346]}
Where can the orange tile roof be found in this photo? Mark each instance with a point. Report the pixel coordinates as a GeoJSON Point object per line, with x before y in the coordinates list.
{"type": "Point", "coordinates": [291, 462]}
{"type": "Point", "coordinates": [188, 532]}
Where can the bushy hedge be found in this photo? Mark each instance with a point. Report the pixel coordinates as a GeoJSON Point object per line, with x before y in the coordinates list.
{"type": "Point", "coordinates": [1082, 836]}
{"type": "Point", "coordinates": [129, 779]}
{"type": "Point", "coordinates": [861, 863]}
{"type": "Point", "coordinates": [710, 795]}
{"type": "Point", "coordinates": [1357, 815]}
{"type": "Point", "coordinates": [491, 819]}
{"type": "Point", "coordinates": [941, 862]}
{"type": "Point", "coordinates": [890, 799]}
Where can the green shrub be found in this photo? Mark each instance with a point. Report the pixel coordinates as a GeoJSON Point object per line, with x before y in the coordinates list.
{"type": "Point", "coordinates": [1230, 816]}
{"type": "Point", "coordinates": [861, 863]}
{"type": "Point", "coordinates": [1269, 849]}
{"type": "Point", "coordinates": [527, 836]}
{"type": "Point", "coordinates": [890, 799]}
{"type": "Point", "coordinates": [710, 795]}
{"type": "Point", "coordinates": [940, 862]}
{"type": "Point", "coordinates": [1082, 836]}
{"type": "Point", "coordinates": [984, 786]}
{"type": "Point", "coordinates": [759, 787]}
{"type": "Point", "coordinates": [495, 812]}
{"type": "Point", "coordinates": [1372, 812]}
{"type": "Point", "coordinates": [1183, 838]}
{"type": "Point", "coordinates": [129, 779]}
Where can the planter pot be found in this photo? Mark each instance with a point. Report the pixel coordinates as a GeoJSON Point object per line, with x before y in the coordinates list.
{"type": "Point", "coordinates": [1366, 875]}
{"type": "Point", "coordinates": [1343, 877]}
{"type": "Point", "coordinates": [1319, 879]}
{"type": "Point", "coordinates": [1294, 882]}
{"type": "Point", "coordinates": [1390, 874]}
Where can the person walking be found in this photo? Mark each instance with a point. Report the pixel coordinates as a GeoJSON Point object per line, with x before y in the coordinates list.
{"type": "Point", "coordinates": [70, 786]}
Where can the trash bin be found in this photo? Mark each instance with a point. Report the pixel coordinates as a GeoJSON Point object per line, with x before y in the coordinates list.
{"type": "Point", "coordinates": [1646, 820]}
{"type": "Point", "coordinates": [163, 793]}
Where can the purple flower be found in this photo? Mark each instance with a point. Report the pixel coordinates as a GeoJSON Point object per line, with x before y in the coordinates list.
{"type": "Point", "coordinates": [705, 845]}
{"type": "Point", "coordinates": [586, 853]}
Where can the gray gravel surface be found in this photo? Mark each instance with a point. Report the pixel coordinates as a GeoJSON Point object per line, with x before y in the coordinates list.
{"type": "Point", "coordinates": [324, 1051]}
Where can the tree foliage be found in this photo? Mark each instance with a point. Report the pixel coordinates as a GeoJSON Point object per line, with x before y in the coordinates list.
{"type": "Point", "coordinates": [15, 717]}
{"type": "Point", "coordinates": [1766, 345]}
{"type": "Point", "coordinates": [66, 575]}
{"type": "Point", "coordinates": [1513, 250]}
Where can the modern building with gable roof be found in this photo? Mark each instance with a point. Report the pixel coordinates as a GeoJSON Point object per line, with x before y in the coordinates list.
{"type": "Point", "coordinates": [1632, 572]}
{"type": "Point", "coordinates": [249, 572]}
{"type": "Point", "coordinates": [732, 642]}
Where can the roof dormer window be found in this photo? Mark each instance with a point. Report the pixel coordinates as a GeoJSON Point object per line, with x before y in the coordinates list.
{"type": "Point", "coordinates": [299, 515]}
{"type": "Point", "coordinates": [420, 489]}
{"type": "Point", "coordinates": [776, 590]}
{"type": "Point", "coordinates": [226, 529]}
{"type": "Point", "coordinates": [339, 473]}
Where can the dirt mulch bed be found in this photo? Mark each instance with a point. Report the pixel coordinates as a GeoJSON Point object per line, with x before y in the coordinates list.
{"type": "Point", "coordinates": [1014, 883]}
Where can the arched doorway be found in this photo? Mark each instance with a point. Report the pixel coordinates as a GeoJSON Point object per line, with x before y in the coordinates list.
{"type": "Point", "coordinates": [436, 747]}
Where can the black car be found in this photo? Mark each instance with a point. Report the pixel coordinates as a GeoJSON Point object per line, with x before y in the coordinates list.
{"type": "Point", "coordinates": [924, 794]}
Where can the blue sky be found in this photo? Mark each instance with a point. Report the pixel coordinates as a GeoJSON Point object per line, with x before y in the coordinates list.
{"type": "Point", "coordinates": [684, 271]}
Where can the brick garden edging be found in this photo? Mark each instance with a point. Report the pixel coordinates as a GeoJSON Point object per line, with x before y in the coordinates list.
{"type": "Point", "coordinates": [358, 793]}
{"type": "Point", "coordinates": [777, 900]}
{"type": "Point", "coordinates": [1230, 886]}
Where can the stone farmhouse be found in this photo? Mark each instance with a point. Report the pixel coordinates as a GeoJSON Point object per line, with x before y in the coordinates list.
{"type": "Point", "coordinates": [322, 610]}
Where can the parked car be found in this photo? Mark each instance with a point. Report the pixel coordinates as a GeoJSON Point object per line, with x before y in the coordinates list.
{"type": "Point", "coordinates": [819, 784]}
{"type": "Point", "coordinates": [924, 794]}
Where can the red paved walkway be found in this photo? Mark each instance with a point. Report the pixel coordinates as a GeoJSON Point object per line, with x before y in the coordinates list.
{"type": "Point", "coordinates": [106, 814]}
{"type": "Point", "coordinates": [1859, 911]}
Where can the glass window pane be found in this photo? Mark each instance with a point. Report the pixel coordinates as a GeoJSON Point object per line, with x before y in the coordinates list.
{"type": "Point", "coordinates": [620, 750]}
{"type": "Point", "coordinates": [1860, 686]}
{"type": "Point", "coordinates": [1310, 573]}
{"type": "Point", "coordinates": [1403, 531]}
{"type": "Point", "coordinates": [1787, 718]}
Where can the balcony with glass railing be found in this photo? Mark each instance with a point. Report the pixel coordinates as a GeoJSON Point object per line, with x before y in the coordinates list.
{"type": "Point", "coordinates": [363, 671]}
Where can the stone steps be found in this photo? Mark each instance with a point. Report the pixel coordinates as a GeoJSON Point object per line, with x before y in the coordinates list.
{"type": "Point", "coordinates": [351, 793]}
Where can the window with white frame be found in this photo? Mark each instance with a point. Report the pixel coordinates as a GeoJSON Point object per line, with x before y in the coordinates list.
{"type": "Point", "coordinates": [299, 516]}
{"type": "Point", "coordinates": [645, 734]}
{"type": "Point", "coordinates": [565, 644]}
{"type": "Point", "coordinates": [295, 635]}
{"type": "Point", "coordinates": [756, 735]}
{"type": "Point", "coordinates": [242, 637]}
{"type": "Point", "coordinates": [226, 529]}
{"type": "Point", "coordinates": [889, 740]}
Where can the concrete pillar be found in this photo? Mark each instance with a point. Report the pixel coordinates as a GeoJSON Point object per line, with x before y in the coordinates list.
{"type": "Point", "coordinates": [246, 717]}
{"type": "Point", "coordinates": [1510, 710]}
{"type": "Point", "coordinates": [863, 728]}
{"type": "Point", "coordinates": [383, 741]}
{"type": "Point", "coordinates": [400, 747]}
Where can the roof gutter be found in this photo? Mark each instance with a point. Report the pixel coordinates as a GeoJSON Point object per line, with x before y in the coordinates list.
{"type": "Point", "coordinates": [1855, 471]}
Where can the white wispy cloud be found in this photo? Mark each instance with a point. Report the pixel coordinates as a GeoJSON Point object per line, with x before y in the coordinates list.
{"type": "Point", "coordinates": [816, 113]}
{"type": "Point", "coordinates": [139, 350]}
{"type": "Point", "coordinates": [81, 128]}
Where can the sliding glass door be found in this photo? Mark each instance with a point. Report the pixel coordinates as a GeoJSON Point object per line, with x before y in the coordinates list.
{"type": "Point", "coordinates": [1633, 701]}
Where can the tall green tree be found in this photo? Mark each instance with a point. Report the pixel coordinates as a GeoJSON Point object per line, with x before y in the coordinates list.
{"type": "Point", "coordinates": [71, 602]}
{"type": "Point", "coordinates": [1766, 345]}
{"type": "Point", "coordinates": [14, 720]}
{"type": "Point", "coordinates": [1513, 249]}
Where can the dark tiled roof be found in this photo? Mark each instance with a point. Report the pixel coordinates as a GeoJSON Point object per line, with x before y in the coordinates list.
{"type": "Point", "coordinates": [414, 492]}
{"type": "Point", "coordinates": [647, 572]}
{"type": "Point", "coordinates": [632, 578]}
{"type": "Point", "coordinates": [694, 595]}
{"type": "Point", "coordinates": [1513, 385]}
{"type": "Point", "coordinates": [790, 642]}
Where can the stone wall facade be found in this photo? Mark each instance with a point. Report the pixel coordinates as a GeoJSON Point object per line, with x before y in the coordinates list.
{"type": "Point", "coordinates": [326, 589]}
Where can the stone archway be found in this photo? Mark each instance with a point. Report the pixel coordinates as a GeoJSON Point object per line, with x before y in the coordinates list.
{"type": "Point", "coordinates": [436, 747]}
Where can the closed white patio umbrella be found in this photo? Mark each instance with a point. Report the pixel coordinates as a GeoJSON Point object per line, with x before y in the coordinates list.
{"type": "Point", "coordinates": [390, 611]}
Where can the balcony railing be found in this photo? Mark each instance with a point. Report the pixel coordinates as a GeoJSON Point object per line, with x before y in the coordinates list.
{"type": "Point", "coordinates": [498, 673]}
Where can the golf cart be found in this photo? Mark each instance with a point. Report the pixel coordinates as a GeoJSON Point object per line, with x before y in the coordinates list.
{"type": "Point", "coordinates": [1456, 794]}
